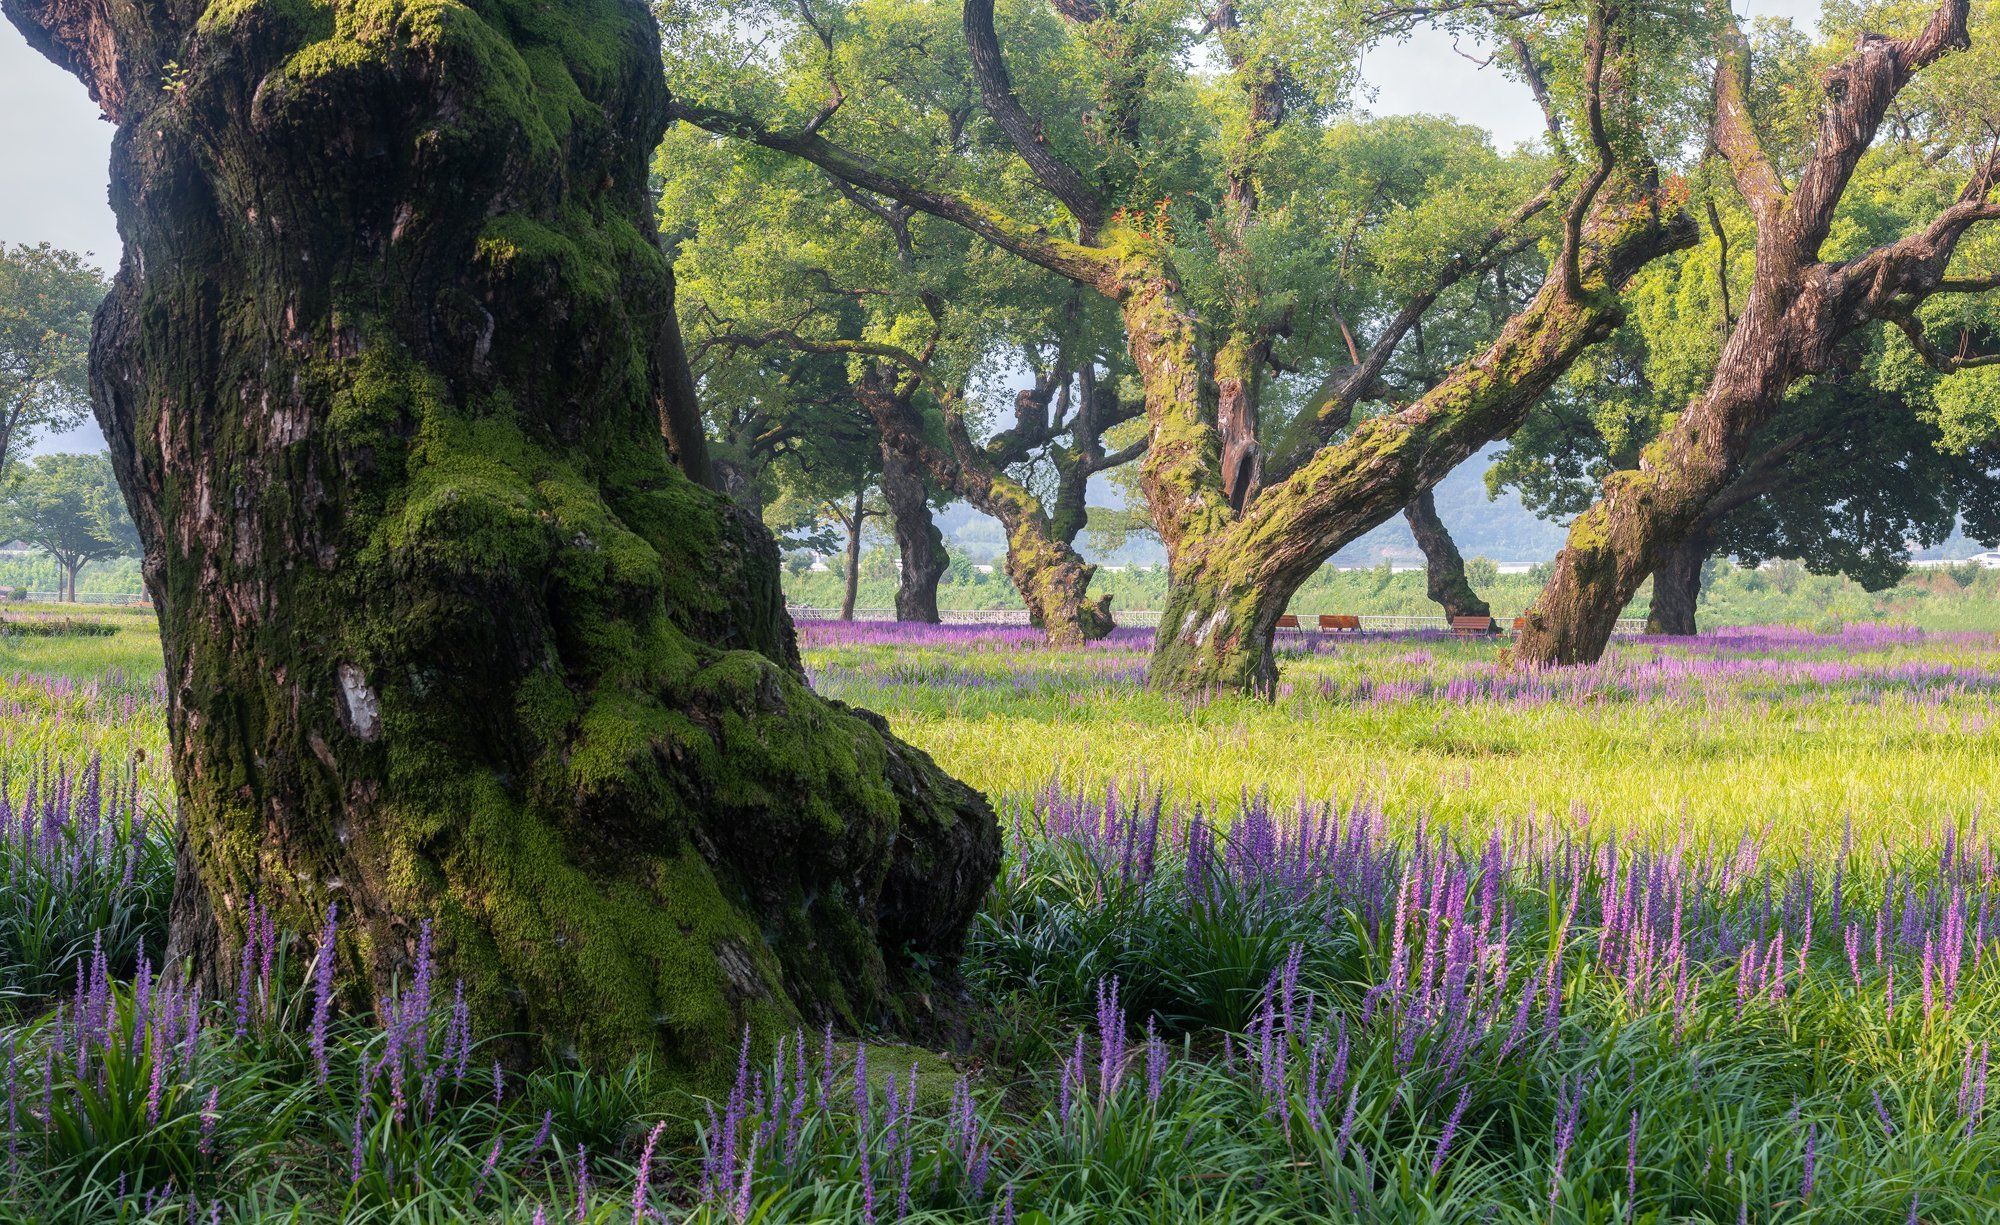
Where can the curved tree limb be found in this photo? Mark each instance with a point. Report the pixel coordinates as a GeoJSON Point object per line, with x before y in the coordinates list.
{"type": "Point", "coordinates": [1033, 243]}
{"type": "Point", "coordinates": [996, 90]}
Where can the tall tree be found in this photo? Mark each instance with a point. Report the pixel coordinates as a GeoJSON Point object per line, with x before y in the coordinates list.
{"type": "Point", "coordinates": [46, 300]}
{"type": "Point", "coordinates": [1803, 300]}
{"type": "Point", "coordinates": [1172, 221]}
{"type": "Point", "coordinates": [69, 507]}
{"type": "Point", "coordinates": [451, 641]}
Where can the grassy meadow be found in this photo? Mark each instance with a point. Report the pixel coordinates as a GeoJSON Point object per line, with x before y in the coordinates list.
{"type": "Point", "coordinates": [1790, 732]}
{"type": "Point", "coordinates": [1696, 934]}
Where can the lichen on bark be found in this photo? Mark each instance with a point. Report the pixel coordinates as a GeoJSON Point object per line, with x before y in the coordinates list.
{"type": "Point", "coordinates": [449, 637]}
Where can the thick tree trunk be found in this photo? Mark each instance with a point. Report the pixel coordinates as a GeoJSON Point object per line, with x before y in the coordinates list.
{"type": "Point", "coordinates": [1444, 569]}
{"type": "Point", "coordinates": [1232, 575]}
{"type": "Point", "coordinates": [449, 640]}
{"type": "Point", "coordinates": [853, 574]}
{"type": "Point", "coordinates": [1677, 587]}
{"type": "Point", "coordinates": [919, 544]}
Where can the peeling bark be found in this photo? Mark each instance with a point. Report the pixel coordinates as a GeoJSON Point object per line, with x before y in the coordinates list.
{"type": "Point", "coordinates": [1444, 569]}
{"type": "Point", "coordinates": [449, 636]}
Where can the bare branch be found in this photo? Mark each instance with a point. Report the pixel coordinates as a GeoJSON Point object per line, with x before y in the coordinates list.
{"type": "Point", "coordinates": [1935, 357]}
{"type": "Point", "coordinates": [1859, 90]}
{"type": "Point", "coordinates": [1735, 133]}
{"type": "Point", "coordinates": [1538, 85]}
{"type": "Point", "coordinates": [1569, 262]}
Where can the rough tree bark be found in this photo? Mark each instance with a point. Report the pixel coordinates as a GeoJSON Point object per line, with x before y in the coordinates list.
{"type": "Point", "coordinates": [1234, 575]}
{"type": "Point", "coordinates": [449, 639]}
{"type": "Point", "coordinates": [1677, 587]}
{"type": "Point", "coordinates": [1444, 569]}
{"type": "Point", "coordinates": [919, 543]}
{"type": "Point", "coordinates": [1798, 310]}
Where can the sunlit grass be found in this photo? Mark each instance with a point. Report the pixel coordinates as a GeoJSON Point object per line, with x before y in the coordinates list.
{"type": "Point", "coordinates": [1738, 752]}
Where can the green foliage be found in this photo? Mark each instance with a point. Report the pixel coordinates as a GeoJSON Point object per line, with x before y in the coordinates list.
{"type": "Point", "coordinates": [70, 507]}
{"type": "Point", "coordinates": [47, 297]}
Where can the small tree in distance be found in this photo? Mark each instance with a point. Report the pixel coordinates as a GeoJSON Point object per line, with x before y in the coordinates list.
{"type": "Point", "coordinates": [69, 507]}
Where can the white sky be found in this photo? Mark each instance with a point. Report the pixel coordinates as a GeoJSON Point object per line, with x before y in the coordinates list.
{"type": "Point", "coordinates": [55, 148]}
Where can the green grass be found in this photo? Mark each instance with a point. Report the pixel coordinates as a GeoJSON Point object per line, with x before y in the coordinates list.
{"type": "Point", "coordinates": [1719, 757]}
{"type": "Point", "coordinates": [1840, 1091]}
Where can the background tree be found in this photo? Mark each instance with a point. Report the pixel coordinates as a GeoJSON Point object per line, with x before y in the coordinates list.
{"type": "Point", "coordinates": [46, 300]}
{"type": "Point", "coordinates": [1827, 264]}
{"type": "Point", "coordinates": [934, 331]}
{"type": "Point", "coordinates": [1118, 164]}
{"type": "Point", "coordinates": [69, 507]}
{"type": "Point", "coordinates": [452, 642]}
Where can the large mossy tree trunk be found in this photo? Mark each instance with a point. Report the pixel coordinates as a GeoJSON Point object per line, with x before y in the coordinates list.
{"type": "Point", "coordinates": [1799, 310]}
{"type": "Point", "coordinates": [449, 638]}
{"type": "Point", "coordinates": [919, 543]}
{"type": "Point", "coordinates": [1444, 568]}
{"type": "Point", "coordinates": [1677, 587]}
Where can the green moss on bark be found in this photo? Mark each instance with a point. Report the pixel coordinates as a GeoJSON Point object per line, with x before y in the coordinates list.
{"type": "Point", "coordinates": [449, 638]}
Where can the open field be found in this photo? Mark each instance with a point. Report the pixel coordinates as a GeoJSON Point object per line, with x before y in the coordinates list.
{"type": "Point", "coordinates": [1783, 731]}
{"type": "Point", "coordinates": [1695, 935]}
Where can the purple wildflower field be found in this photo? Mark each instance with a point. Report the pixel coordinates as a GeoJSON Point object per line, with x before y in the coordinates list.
{"type": "Point", "coordinates": [1188, 1003]}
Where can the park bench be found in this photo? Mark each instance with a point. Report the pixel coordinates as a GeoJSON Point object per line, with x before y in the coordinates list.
{"type": "Point", "coordinates": [1288, 622]}
{"type": "Point", "coordinates": [1473, 625]}
{"type": "Point", "coordinates": [1339, 623]}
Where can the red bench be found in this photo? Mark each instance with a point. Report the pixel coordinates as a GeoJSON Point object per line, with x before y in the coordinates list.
{"type": "Point", "coordinates": [1288, 622]}
{"type": "Point", "coordinates": [1339, 623]}
{"type": "Point", "coordinates": [1473, 625]}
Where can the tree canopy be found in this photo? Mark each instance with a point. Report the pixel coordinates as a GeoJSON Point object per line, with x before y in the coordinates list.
{"type": "Point", "coordinates": [70, 507]}
{"type": "Point", "coordinates": [47, 297]}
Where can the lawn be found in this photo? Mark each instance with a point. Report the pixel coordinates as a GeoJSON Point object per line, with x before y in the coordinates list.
{"type": "Point", "coordinates": [1695, 935]}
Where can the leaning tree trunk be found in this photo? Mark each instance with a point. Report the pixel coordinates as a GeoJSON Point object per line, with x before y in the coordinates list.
{"type": "Point", "coordinates": [449, 640]}
{"type": "Point", "coordinates": [1052, 578]}
{"type": "Point", "coordinates": [1798, 312]}
{"type": "Point", "coordinates": [1231, 575]}
{"type": "Point", "coordinates": [1444, 569]}
{"type": "Point", "coordinates": [1677, 587]}
{"type": "Point", "coordinates": [919, 543]}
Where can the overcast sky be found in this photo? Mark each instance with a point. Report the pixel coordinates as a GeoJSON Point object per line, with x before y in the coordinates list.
{"type": "Point", "coordinates": [55, 148]}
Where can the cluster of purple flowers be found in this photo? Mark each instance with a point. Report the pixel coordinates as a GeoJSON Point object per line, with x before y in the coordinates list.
{"type": "Point", "coordinates": [1726, 668]}
{"type": "Point", "coordinates": [815, 1110]}
{"type": "Point", "coordinates": [64, 825]}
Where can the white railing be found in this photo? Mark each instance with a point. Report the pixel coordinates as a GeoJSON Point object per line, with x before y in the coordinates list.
{"type": "Point", "coordinates": [1148, 618]}
{"type": "Point", "coordinates": [87, 597]}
